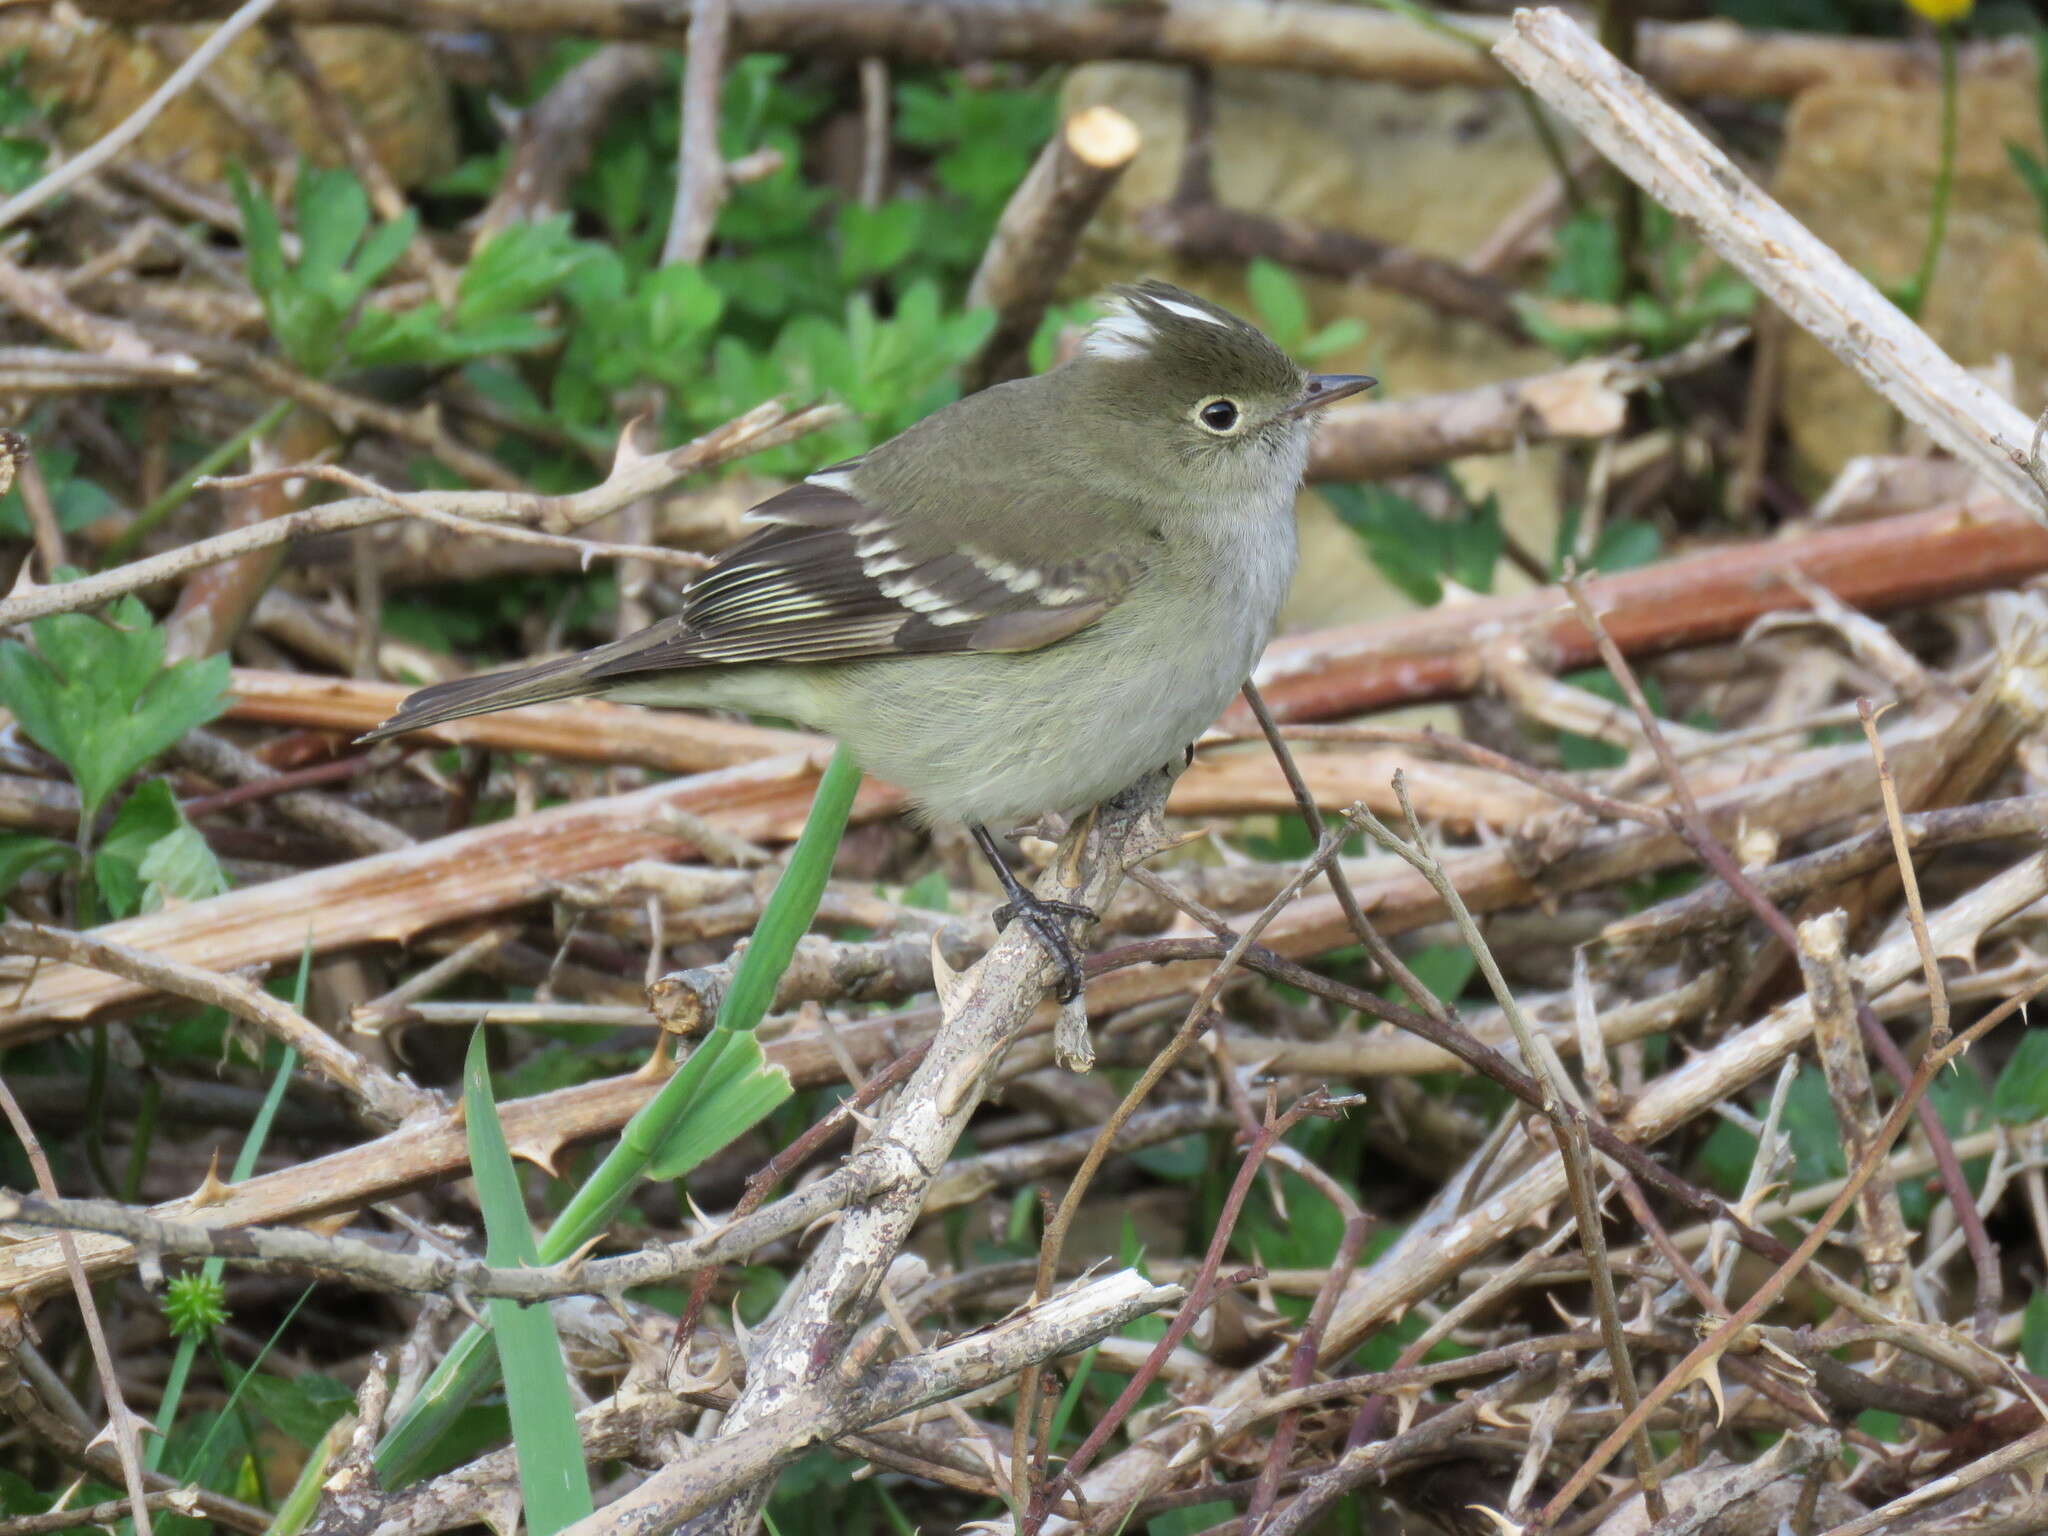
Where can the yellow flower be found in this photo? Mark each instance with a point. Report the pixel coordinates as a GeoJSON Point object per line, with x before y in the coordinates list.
{"type": "Point", "coordinates": [1942, 12]}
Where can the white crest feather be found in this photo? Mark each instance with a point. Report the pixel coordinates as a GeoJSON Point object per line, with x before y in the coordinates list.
{"type": "Point", "coordinates": [1189, 311]}
{"type": "Point", "coordinates": [1122, 332]}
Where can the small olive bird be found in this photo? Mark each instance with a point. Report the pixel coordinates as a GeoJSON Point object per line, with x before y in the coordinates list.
{"type": "Point", "coordinates": [1019, 605]}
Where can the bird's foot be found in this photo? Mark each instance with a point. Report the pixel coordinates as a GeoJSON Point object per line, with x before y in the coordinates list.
{"type": "Point", "coordinates": [1046, 921]}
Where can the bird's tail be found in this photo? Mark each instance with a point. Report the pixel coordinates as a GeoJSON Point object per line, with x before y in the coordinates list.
{"type": "Point", "coordinates": [565, 679]}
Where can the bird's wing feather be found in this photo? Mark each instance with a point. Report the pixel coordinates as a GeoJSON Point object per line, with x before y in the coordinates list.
{"type": "Point", "coordinates": [830, 577]}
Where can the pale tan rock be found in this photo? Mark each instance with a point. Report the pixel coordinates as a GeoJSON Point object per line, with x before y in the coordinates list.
{"type": "Point", "coordinates": [1858, 168]}
{"type": "Point", "coordinates": [93, 76]}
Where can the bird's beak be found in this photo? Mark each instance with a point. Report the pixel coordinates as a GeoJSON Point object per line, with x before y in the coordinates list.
{"type": "Point", "coordinates": [1328, 388]}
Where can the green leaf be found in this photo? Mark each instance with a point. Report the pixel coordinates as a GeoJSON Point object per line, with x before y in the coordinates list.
{"type": "Point", "coordinates": [1281, 305]}
{"type": "Point", "coordinates": [552, 1478]}
{"type": "Point", "coordinates": [1415, 551]}
{"type": "Point", "coordinates": [304, 1408]}
{"type": "Point", "coordinates": [740, 1090]}
{"type": "Point", "coordinates": [2033, 174]}
{"type": "Point", "coordinates": [96, 695]}
{"type": "Point", "coordinates": [877, 240]}
{"type": "Point", "coordinates": [2020, 1095]}
{"type": "Point", "coordinates": [1813, 1131]}
{"type": "Point", "coordinates": [1588, 264]}
{"type": "Point", "coordinates": [22, 855]}
{"type": "Point", "coordinates": [2034, 1333]}
{"type": "Point", "coordinates": [152, 853]}
{"type": "Point", "coordinates": [520, 266]}
{"type": "Point", "coordinates": [1627, 544]}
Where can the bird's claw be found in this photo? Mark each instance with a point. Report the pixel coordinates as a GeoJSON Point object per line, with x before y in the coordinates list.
{"type": "Point", "coordinates": [1044, 920]}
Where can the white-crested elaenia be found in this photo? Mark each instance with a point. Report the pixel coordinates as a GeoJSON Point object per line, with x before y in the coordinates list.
{"type": "Point", "coordinates": [1021, 604]}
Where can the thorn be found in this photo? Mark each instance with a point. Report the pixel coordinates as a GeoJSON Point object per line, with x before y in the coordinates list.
{"type": "Point", "coordinates": [541, 1152]}
{"type": "Point", "coordinates": [1501, 1522]}
{"type": "Point", "coordinates": [1710, 1375]}
{"type": "Point", "coordinates": [950, 984]}
{"type": "Point", "coordinates": [211, 1191]}
{"type": "Point", "coordinates": [327, 1226]}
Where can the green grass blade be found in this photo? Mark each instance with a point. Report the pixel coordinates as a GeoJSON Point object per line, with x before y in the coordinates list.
{"type": "Point", "coordinates": [787, 917]}
{"type": "Point", "coordinates": [664, 1128]}
{"type": "Point", "coordinates": [552, 1477]}
{"type": "Point", "coordinates": [213, 1269]}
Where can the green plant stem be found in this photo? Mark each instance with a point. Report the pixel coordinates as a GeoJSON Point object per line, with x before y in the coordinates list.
{"type": "Point", "coordinates": [144, 1137]}
{"type": "Point", "coordinates": [245, 1164]}
{"type": "Point", "coordinates": [470, 1366]}
{"type": "Point", "coordinates": [173, 495]}
{"type": "Point", "coordinates": [1944, 176]}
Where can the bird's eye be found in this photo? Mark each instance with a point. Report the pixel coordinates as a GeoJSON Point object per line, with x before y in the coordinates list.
{"type": "Point", "coordinates": [1218, 415]}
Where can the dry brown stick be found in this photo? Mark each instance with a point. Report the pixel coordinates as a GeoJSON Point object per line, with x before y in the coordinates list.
{"type": "Point", "coordinates": [1672, 161]}
{"type": "Point", "coordinates": [1036, 237]}
{"type": "Point", "coordinates": [1566, 1118]}
{"type": "Point", "coordinates": [634, 474]}
{"type": "Point", "coordinates": [587, 730]}
{"type": "Point", "coordinates": [120, 1421]}
{"type": "Point", "coordinates": [1301, 1368]}
{"type": "Point", "coordinates": [424, 508]}
{"type": "Point", "coordinates": [495, 867]}
{"type": "Point", "coordinates": [1704, 58]}
{"type": "Point", "coordinates": [44, 527]}
{"type": "Point", "coordinates": [1208, 231]}
{"type": "Point", "coordinates": [1435, 1249]}
{"type": "Point", "coordinates": [1381, 953]}
{"type": "Point", "coordinates": [1980, 821]}
{"type": "Point", "coordinates": [214, 603]}
{"type": "Point", "coordinates": [1053, 1242]}
{"type": "Point", "coordinates": [2015, 1457]}
{"type": "Point", "coordinates": [1880, 1224]}
{"type": "Point", "coordinates": [384, 1100]}
{"type": "Point", "coordinates": [1374, 439]}
{"type": "Point", "coordinates": [1693, 600]}
{"type": "Point", "coordinates": [1206, 1287]}
{"type": "Point", "coordinates": [41, 298]}
{"type": "Point", "coordinates": [1909, 882]}
{"type": "Point", "coordinates": [1688, 822]}
{"type": "Point", "coordinates": [1710, 1348]}
{"type": "Point", "coordinates": [1983, 1254]}
{"type": "Point", "coordinates": [700, 163]}
{"type": "Point", "coordinates": [558, 134]}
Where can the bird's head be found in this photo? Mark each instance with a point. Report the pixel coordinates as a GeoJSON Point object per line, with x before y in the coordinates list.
{"type": "Point", "coordinates": [1209, 390]}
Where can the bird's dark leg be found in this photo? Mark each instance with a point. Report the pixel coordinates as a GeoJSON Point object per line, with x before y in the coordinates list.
{"type": "Point", "coordinates": [1045, 919]}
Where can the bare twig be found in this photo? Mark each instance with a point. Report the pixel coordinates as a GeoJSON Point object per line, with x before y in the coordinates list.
{"type": "Point", "coordinates": [119, 1419]}
{"type": "Point", "coordinates": [634, 474]}
{"type": "Point", "coordinates": [1035, 240]}
{"type": "Point", "coordinates": [1669, 158]}
{"type": "Point", "coordinates": [700, 164]}
{"type": "Point", "coordinates": [384, 1100]}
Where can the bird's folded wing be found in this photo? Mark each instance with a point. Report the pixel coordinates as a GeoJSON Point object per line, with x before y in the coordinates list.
{"type": "Point", "coordinates": [830, 578]}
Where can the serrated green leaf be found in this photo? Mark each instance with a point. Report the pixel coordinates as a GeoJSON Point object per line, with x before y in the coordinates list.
{"type": "Point", "coordinates": [553, 1481]}
{"type": "Point", "coordinates": [96, 695]}
{"type": "Point", "coordinates": [740, 1091]}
